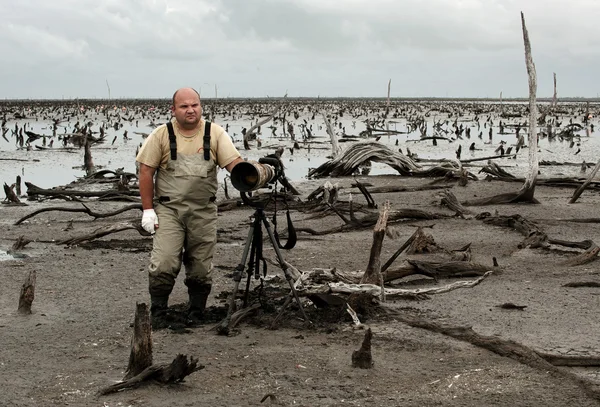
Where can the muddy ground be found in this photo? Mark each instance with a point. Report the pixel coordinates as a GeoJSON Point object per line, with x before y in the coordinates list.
{"type": "Point", "coordinates": [77, 339]}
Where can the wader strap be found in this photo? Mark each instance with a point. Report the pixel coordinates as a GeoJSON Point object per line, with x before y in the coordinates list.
{"type": "Point", "coordinates": [172, 141]}
{"type": "Point", "coordinates": [206, 140]}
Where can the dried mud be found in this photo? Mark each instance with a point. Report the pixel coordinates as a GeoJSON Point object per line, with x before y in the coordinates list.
{"type": "Point", "coordinates": [77, 339]}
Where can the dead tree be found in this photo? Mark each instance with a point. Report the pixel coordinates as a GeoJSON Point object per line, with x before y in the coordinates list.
{"type": "Point", "coordinates": [373, 272]}
{"type": "Point", "coordinates": [173, 372]}
{"type": "Point", "coordinates": [106, 230]}
{"type": "Point", "coordinates": [141, 342]}
{"type": "Point", "coordinates": [526, 193]}
{"type": "Point", "coordinates": [587, 182]}
{"type": "Point", "coordinates": [11, 197]}
{"type": "Point", "coordinates": [362, 357]}
{"type": "Point", "coordinates": [335, 148]}
{"type": "Point", "coordinates": [554, 98]}
{"type": "Point", "coordinates": [27, 294]}
{"type": "Point", "coordinates": [250, 131]}
{"type": "Point", "coordinates": [88, 163]}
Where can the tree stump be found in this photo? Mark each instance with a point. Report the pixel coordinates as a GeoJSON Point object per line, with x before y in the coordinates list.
{"type": "Point", "coordinates": [141, 343]}
{"type": "Point", "coordinates": [362, 357]}
{"type": "Point", "coordinates": [27, 294]}
{"type": "Point", "coordinates": [373, 272]}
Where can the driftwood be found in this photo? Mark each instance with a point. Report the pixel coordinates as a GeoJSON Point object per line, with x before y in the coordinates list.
{"type": "Point", "coordinates": [228, 324]}
{"type": "Point", "coordinates": [372, 273]}
{"type": "Point", "coordinates": [588, 256]}
{"type": "Point", "coordinates": [33, 190]}
{"type": "Point", "coordinates": [85, 209]}
{"type": "Point", "coordinates": [398, 253]}
{"type": "Point", "coordinates": [375, 291]}
{"type": "Point", "coordinates": [587, 182]}
{"type": "Point", "coordinates": [20, 243]}
{"type": "Point", "coordinates": [11, 197]}
{"type": "Point", "coordinates": [259, 123]}
{"type": "Point", "coordinates": [422, 243]}
{"type": "Point", "coordinates": [360, 153]}
{"type": "Point", "coordinates": [140, 356]}
{"type": "Point", "coordinates": [27, 294]}
{"type": "Point", "coordinates": [362, 357]}
{"type": "Point", "coordinates": [106, 230]}
{"type": "Point", "coordinates": [535, 237]}
{"type": "Point", "coordinates": [391, 188]}
{"type": "Point", "coordinates": [173, 372]}
{"type": "Point", "coordinates": [370, 220]}
{"type": "Point", "coordinates": [450, 201]}
{"type": "Point", "coordinates": [437, 269]}
{"type": "Point", "coordinates": [505, 348]}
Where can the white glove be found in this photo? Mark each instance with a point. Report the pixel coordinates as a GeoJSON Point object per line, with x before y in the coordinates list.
{"type": "Point", "coordinates": [149, 220]}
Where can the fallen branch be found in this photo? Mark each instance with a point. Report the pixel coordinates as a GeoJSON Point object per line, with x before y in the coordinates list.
{"type": "Point", "coordinates": [502, 347]}
{"type": "Point", "coordinates": [587, 182]}
{"type": "Point", "coordinates": [85, 209]}
{"type": "Point", "coordinates": [106, 230]}
{"type": "Point", "coordinates": [173, 372]}
{"type": "Point", "coordinates": [375, 291]}
{"type": "Point", "coordinates": [33, 190]}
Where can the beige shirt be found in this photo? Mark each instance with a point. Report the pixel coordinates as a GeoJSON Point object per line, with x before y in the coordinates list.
{"type": "Point", "coordinates": [155, 151]}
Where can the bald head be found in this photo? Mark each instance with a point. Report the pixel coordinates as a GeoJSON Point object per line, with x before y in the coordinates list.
{"type": "Point", "coordinates": [186, 108]}
{"type": "Point", "coordinates": [185, 92]}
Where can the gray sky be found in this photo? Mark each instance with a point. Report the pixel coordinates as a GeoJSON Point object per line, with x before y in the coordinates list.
{"type": "Point", "coordinates": [257, 48]}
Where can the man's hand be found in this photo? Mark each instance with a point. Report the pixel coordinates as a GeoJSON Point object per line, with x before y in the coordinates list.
{"type": "Point", "coordinates": [149, 220]}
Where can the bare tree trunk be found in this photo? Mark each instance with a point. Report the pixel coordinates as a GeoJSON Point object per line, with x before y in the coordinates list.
{"type": "Point", "coordinates": [141, 343]}
{"type": "Point", "coordinates": [362, 357]}
{"type": "Point", "coordinates": [528, 189]}
{"type": "Point", "coordinates": [335, 148]}
{"type": "Point", "coordinates": [554, 98]}
{"type": "Point", "coordinates": [587, 182]}
{"type": "Point", "coordinates": [88, 163]}
{"type": "Point", "coordinates": [387, 108]}
{"type": "Point", "coordinates": [373, 272]}
{"type": "Point", "coordinates": [27, 294]}
{"type": "Point", "coordinates": [257, 125]}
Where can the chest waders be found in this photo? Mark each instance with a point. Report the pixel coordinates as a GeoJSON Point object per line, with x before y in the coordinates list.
{"type": "Point", "coordinates": [184, 200]}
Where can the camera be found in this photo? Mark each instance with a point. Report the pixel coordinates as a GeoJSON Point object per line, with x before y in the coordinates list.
{"type": "Point", "coordinates": [251, 175]}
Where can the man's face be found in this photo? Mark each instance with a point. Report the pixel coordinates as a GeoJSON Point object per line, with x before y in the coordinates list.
{"type": "Point", "coordinates": [187, 109]}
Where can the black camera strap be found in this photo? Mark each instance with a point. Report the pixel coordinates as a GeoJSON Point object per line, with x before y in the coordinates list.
{"type": "Point", "coordinates": [292, 237]}
{"type": "Point", "coordinates": [256, 253]}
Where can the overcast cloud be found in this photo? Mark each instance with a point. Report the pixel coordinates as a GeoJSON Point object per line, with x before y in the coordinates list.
{"type": "Point", "coordinates": [257, 48]}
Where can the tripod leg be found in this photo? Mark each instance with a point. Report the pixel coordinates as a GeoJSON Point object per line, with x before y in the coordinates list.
{"type": "Point", "coordinates": [223, 327]}
{"type": "Point", "coordinates": [283, 265]}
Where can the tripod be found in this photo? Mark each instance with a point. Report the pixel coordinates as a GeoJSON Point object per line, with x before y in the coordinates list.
{"type": "Point", "coordinates": [253, 247]}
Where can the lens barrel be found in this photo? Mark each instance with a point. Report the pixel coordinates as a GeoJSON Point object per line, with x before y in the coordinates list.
{"type": "Point", "coordinates": [250, 175]}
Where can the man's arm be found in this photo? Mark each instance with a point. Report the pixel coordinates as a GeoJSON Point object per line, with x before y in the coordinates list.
{"type": "Point", "coordinates": [146, 183]}
{"type": "Point", "coordinates": [228, 167]}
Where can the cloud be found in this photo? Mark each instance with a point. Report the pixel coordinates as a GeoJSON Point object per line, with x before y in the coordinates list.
{"type": "Point", "coordinates": [146, 48]}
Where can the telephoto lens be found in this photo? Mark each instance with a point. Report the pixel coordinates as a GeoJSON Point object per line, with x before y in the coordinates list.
{"type": "Point", "coordinates": [251, 175]}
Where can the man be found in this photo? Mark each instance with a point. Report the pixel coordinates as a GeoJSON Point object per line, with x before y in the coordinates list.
{"type": "Point", "coordinates": [179, 205]}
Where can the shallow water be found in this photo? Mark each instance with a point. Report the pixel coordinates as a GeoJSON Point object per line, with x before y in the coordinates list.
{"type": "Point", "coordinates": [47, 168]}
{"type": "Point", "coordinates": [5, 256]}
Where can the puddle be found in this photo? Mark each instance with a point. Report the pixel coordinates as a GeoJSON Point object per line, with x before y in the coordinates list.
{"type": "Point", "coordinates": [14, 256]}
{"type": "Point", "coordinates": [5, 256]}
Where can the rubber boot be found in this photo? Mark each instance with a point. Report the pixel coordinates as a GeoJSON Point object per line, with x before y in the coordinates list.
{"type": "Point", "coordinates": [198, 294]}
{"type": "Point", "coordinates": [158, 311]}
